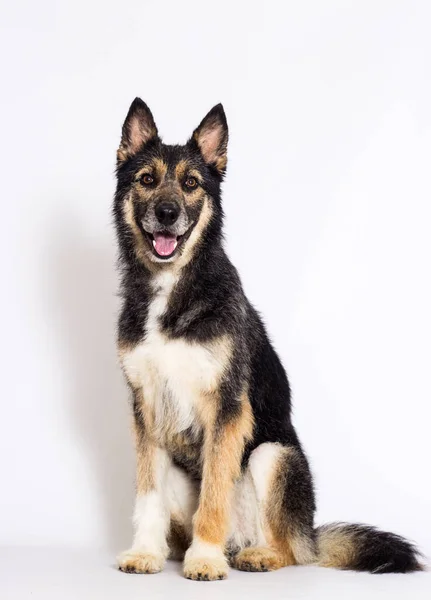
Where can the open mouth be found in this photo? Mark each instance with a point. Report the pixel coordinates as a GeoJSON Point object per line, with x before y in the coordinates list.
{"type": "Point", "coordinates": [164, 244]}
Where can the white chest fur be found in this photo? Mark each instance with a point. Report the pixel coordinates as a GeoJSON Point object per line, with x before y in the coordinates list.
{"type": "Point", "coordinates": [173, 373]}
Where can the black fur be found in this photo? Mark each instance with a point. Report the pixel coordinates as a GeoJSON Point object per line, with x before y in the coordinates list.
{"type": "Point", "coordinates": [208, 302]}
{"type": "Point", "coordinates": [375, 551]}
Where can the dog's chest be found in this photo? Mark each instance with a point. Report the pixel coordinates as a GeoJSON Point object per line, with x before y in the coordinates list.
{"type": "Point", "coordinates": [174, 374]}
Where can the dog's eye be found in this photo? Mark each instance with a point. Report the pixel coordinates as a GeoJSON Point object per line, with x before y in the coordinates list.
{"type": "Point", "coordinates": [191, 182]}
{"type": "Point", "coordinates": [147, 179]}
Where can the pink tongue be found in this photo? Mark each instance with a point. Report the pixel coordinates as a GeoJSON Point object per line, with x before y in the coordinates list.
{"type": "Point", "coordinates": [164, 243]}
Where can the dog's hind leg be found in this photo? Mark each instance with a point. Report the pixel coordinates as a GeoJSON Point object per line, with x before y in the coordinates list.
{"type": "Point", "coordinates": [285, 499]}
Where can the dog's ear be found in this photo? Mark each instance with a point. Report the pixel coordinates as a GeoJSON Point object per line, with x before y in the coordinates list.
{"type": "Point", "coordinates": [139, 128]}
{"type": "Point", "coordinates": [211, 138]}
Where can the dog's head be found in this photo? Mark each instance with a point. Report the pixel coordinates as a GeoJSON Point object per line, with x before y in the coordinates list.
{"type": "Point", "coordinates": [168, 196]}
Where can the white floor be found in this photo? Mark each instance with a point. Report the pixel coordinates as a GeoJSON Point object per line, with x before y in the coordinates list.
{"type": "Point", "coordinates": [51, 574]}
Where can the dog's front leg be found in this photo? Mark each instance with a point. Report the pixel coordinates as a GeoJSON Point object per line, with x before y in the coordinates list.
{"type": "Point", "coordinates": [151, 516]}
{"type": "Point", "coordinates": [223, 448]}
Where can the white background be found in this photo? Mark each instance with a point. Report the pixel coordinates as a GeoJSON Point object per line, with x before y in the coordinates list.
{"type": "Point", "coordinates": [328, 220]}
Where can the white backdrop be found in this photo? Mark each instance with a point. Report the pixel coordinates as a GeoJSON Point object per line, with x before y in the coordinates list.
{"type": "Point", "coordinates": [328, 218]}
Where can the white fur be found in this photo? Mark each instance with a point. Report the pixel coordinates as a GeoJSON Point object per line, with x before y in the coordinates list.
{"type": "Point", "coordinates": [244, 525]}
{"type": "Point", "coordinates": [151, 516]}
{"type": "Point", "coordinates": [151, 522]}
{"type": "Point", "coordinates": [250, 497]}
{"type": "Point", "coordinates": [172, 373]}
{"type": "Point", "coordinates": [182, 496]}
{"type": "Point", "coordinates": [262, 463]}
{"type": "Point", "coordinates": [202, 557]}
{"type": "Point", "coordinates": [200, 549]}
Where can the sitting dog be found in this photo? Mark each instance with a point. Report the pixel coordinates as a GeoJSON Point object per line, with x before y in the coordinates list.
{"type": "Point", "coordinates": [221, 475]}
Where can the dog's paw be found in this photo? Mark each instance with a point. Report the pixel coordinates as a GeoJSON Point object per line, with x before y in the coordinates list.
{"type": "Point", "coordinates": [206, 569]}
{"type": "Point", "coordinates": [134, 561]}
{"type": "Point", "coordinates": [257, 559]}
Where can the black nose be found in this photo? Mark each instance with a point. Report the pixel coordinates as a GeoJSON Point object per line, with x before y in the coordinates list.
{"type": "Point", "coordinates": [167, 213]}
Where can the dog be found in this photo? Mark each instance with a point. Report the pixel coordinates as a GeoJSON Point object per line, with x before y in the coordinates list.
{"type": "Point", "coordinates": [222, 479]}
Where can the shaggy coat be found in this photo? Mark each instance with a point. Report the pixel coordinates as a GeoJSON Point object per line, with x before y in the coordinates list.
{"type": "Point", "coordinates": [221, 475]}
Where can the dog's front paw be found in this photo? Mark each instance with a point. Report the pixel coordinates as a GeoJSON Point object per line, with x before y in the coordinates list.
{"type": "Point", "coordinates": [205, 566]}
{"type": "Point", "coordinates": [135, 561]}
{"type": "Point", "coordinates": [205, 569]}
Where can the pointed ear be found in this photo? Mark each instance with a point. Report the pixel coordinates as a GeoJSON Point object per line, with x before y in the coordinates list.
{"type": "Point", "coordinates": [212, 136]}
{"type": "Point", "coordinates": [138, 129]}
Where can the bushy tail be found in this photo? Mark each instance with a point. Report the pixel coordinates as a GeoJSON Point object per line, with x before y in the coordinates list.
{"type": "Point", "coordinates": [365, 548]}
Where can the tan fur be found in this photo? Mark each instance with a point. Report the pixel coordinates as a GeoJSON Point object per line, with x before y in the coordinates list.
{"type": "Point", "coordinates": [208, 140]}
{"type": "Point", "coordinates": [336, 549]}
{"type": "Point", "coordinates": [221, 163]}
{"type": "Point", "coordinates": [275, 515]}
{"type": "Point", "coordinates": [302, 548]}
{"type": "Point", "coordinates": [274, 549]}
{"type": "Point", "coordinates": [195, 195]}
{"type": "Point", "coordinates": [142, 250]}
{"type": "Point", "coordinates": [150, 364]}
{"type": "Point", "coordinates": [199, 367]}
{"type": "Point", "coordinates": [190, 245]}
{"type": "Point", "coordinates": [138, 133]}
{"type": "Point", "coordinates": [223, 449]}
{"type": "Point", "coordinates": [183, 167]}
{"type": "Point", "coordinates": [280, 533]}
{"type": "Point", "coordinates": [122, 154]}
{"type": "Point", "coordinates": [145, 448]}
{"type": "Point", "coordinates": [157, 168]}
{"type": "Point", "coordinates": [258, 559]}
{"type": "Point", "coordinates": [145, 456]}
{"type": "Point", "coordinates": [140, 562]}
{"type": "Point", "coordinates": [205, 569]}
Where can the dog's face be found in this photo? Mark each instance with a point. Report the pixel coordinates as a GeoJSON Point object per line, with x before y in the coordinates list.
{"type": "Point", "coordinates": [168, 195]}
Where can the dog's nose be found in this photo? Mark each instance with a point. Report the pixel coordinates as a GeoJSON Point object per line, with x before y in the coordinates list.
{"type": "Point", "coordinates": [167, 213]}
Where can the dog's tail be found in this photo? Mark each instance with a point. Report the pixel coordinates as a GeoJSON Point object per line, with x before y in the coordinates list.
{"type": "Point", "coordinates": [365, 548]}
